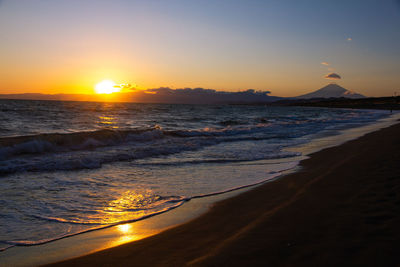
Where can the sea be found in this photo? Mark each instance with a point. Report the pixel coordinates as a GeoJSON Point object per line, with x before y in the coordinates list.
{"type": "Point", "coordinates": [71, 167]}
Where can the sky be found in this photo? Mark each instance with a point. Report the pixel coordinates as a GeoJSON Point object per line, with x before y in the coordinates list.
{"type": "Point", "coordinates": [286, 47]}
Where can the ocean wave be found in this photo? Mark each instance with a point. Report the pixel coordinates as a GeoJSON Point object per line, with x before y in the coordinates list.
{"type": "Point", "coordinates": [277, 155]}
{"type": "Point", "coordinates": [94, 159]}
{"type": "Point", "coordinates": [232, 122]}
{"type": "Point", "coordinates": [89, 150]}
{"type": "Point", "coordinates": [229, 130]}
{"type": "Point", "coordinates": [61, 142]}
{"type": "Point", "coordinates": [89, 140]}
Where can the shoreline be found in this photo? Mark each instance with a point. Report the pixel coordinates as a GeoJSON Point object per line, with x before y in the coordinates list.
{"type": "Point", "coordinates": [308, 217]}
{"type": "Point", "coordinates": [113, 236]}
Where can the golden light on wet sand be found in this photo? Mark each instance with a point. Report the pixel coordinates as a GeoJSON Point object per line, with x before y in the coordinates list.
{"type": "Point", "coordinates": [124, 228]}
{"type": "Point", "coordinates": [125, 233]}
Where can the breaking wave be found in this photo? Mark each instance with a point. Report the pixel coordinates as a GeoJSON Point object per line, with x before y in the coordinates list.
{"type": "Point", "coordinates": [89, 150]}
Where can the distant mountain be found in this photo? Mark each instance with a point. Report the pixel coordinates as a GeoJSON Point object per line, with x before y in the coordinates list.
{"type": "Point", "coordinates": [331, 90]}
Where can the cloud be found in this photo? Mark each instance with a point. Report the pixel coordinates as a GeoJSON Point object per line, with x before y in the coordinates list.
{"type": "Point", "coordinates": [126, 86]}
{"type": "Point", "coordinates": [202, 91]}
{"type": "Point", "coordinates": [325, 63]}
{"type": "Point", "coordinates": [201, 96]}
{"type": "Point", "coordinates": [333, 76]}
{"type": "Point", "coordinates": [349, 39]}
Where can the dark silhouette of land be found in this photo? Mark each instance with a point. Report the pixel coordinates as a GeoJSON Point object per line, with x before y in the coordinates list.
{"type": "Point", "coordinates": [387, 103]}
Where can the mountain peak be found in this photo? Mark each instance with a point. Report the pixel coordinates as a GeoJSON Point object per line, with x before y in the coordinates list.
{"type": "Point", "coordinates": [331, 90]}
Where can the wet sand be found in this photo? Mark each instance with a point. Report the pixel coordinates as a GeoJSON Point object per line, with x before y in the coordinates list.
{"type": "Point", "coordinates": [341, 208]}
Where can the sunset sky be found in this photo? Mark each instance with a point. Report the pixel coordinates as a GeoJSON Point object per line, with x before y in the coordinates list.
{"type": "Point", "coordinates": [286, 47]}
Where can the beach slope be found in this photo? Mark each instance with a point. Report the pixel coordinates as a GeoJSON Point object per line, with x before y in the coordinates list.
{"type": "Point", "coordinates": [341, 208]}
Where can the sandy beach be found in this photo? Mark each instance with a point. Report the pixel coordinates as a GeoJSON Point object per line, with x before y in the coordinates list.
{"type": "Point", "coordinates": [341, 208]}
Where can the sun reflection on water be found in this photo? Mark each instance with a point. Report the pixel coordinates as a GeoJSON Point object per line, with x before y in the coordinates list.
{"type": "Point", "coordinates": [128, 206]}
{"type": "Point", "coordinates": [108, 121]}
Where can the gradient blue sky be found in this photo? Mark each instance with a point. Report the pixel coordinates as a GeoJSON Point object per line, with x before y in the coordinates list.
{"type": "Point", "coordinates": [55, 46]}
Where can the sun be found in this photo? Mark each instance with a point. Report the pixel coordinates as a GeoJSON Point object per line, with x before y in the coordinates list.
{"type": "Point", "coordinates": [106, 87]}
